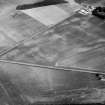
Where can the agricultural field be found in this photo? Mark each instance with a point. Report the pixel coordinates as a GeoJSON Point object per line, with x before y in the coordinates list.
{"type": "Point", "coordinates": [51, 55]}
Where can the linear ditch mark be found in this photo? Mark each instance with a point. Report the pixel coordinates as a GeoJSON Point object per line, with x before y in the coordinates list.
{"type": "Point", "coordinates": [37, 35]}
{"type": "Point", "coordinates": [54, 68]}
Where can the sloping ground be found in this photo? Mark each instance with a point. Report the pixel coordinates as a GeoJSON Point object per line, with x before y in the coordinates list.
{"type": "Point", "coordinates": [77, 42]}
{"type": "Point", "coordinates": [34, 85]}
